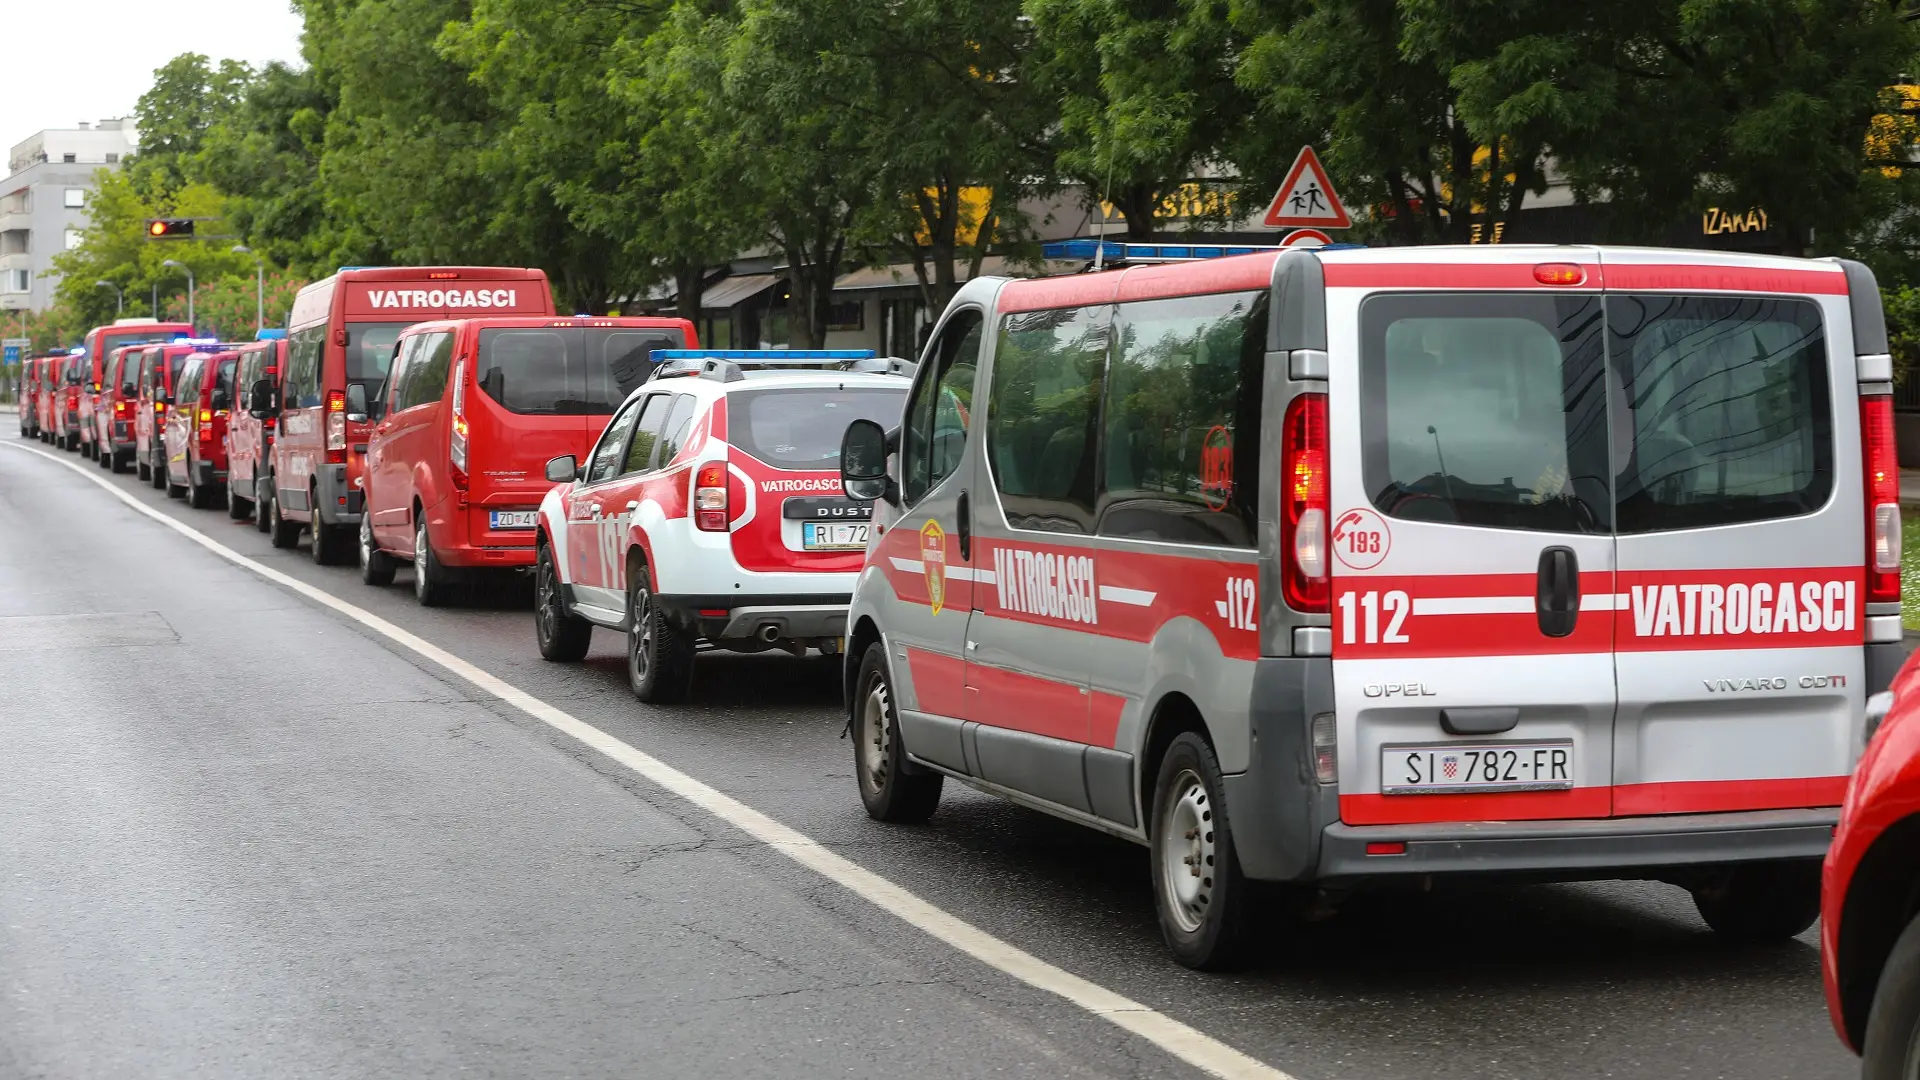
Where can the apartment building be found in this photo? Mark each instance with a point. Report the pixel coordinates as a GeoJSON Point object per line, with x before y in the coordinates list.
{"type": "Point", "coordinates": [43, 203]}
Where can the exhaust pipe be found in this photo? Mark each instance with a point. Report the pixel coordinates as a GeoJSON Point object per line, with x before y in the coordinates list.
{"type": "Point", "coordinates": [768, 632]}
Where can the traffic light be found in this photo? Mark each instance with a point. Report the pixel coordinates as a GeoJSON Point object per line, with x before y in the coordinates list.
{"type": "Point", "coordinates": [169, 228]}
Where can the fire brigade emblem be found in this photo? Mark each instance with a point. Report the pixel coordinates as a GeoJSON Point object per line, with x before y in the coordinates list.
{"type": "Point", "coordinates": [933, 562]}
{"type": "Point", "coordinates": [1450, 767]}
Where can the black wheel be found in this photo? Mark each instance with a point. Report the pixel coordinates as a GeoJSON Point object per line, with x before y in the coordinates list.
{"type": "Point", "coordinates": [283, 533]}
{"type": "Point", "coordinates": [563, 637]}
{"type": "Point", "coordinates": [376, 566]}
{"type": "Point", "coordinates": [1891, 1050]}
{"type": "Point", "coordinates": [174, 491]}
{"type": "Point", "coordinates": [103, 458]}
{"type": "Point", "coordinates": [262, 494]}
{"type": "Point", "coordinates": [659, 654]}
{"type": "Point", "coordinates": [199, 496]}
{"type": "Point", "coordinates": [430, 584]}
{"type": "Point", "coordinates": [238, 509]}
{"type": "Point", "coordinates": [157, 472]}
{"type": "Point", "coordinates": [891, 787]}
{"type": "Point", "coordinates": [1198, 890]}
{"type": "Point", "coordinates": [1760, 902]}
{"type": "Point", "coordinates": [329, 541]}
{"type": "Point", "coordinates": [119, 463]}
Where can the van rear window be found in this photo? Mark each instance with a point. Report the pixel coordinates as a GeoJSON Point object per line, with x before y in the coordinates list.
{"type": "Point", "coordinates": [568, 371]}
{"type": "Point", "coordinates": [800, 429]}
{"type": "Point", "coordinates": [1731, 418]}
{"type": "Point", "coordinates": [1486, 410]}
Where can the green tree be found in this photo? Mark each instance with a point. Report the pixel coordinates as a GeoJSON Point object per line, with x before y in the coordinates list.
{"type": "Point", "coordinates": [115, 247]}
{"type": "Point", "coordinates": [189, 97]}
{"type": "Point", "coordinates": [265, 155]}
{"type": "Point", "coordinates": [1146, 96]}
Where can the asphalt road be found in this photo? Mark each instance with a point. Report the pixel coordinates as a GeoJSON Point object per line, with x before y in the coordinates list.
{"type": "Point", "coordinates": [241, 835]}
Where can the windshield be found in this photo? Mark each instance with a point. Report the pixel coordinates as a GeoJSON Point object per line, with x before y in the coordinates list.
{"type": "Point", "coordinates": [801, 429]}
{"type": "Point", "coordinates": [568, 371]}
{"type": "Point", "coordinates": [370, 351]}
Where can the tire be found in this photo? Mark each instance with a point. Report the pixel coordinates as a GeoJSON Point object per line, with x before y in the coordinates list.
{"type": "Point", "coordinates": [283, 533]}
{"type": "Point", "coordinates": [158, 474]}
{"type": "Point", "coordinates": [119, 463]}
{"type": "Point", "coordinates": [1891, 1050]}
{"type": "Point", "coordinates": [563, 637]}
{"type": "Point", "coordinates": [659, 654]}
{"type": "Point", "coordinates": [430, 585]}
{"type": "Point", "coordinates": [199, 496]}
{"type": "Point", "coordinates": [174, 491]}
{"type": "Point", "coordinates": [262, 494]}
{"type": "Point", "coordinates": [890, 787]}
{"type": "Point", "coordinates": [376, 566]}
{"type": "Point", "coordinates": [1198, 891]}
{"type": "Point", "coordinates": [103, 458]}
{"type": "Point", "coordinates": [143, 471]}
{"type": "Point", "coordinates": [238, 509]}
{"type": "Point", "coordinates": [330, 542]}
{"type": "Point", "coordinates": [1761, 902]}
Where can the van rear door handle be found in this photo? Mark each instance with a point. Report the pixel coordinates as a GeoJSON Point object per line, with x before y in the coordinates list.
{"type": "Point", "coordinates": [964, 527]}
{"type": "Point", "coordinates": [1556, 600]}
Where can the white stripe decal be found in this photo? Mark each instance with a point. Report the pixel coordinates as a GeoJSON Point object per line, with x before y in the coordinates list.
{"type": "Point", "coordinates": [1473, 605]}
{"type": "Point", "coordinates": [1604, 602]}
{"type": "Point", "coordinates": [911, 566]}
{"type": "Point", "coordinates": [961, 573]}
{"type": "Point", "coordinates": [1189, 1045]}
{"type": "Point", "coordinates": [1117, 595]}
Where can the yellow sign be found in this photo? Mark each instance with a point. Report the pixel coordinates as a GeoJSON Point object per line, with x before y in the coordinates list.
{"type": "Point", "coordinates": [933, 563]}
{"type": "Point", "coordinates": [1717, 221]}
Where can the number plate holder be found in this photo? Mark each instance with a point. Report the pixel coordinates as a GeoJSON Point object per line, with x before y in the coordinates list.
{"type": "Point", "coordinates": [1534, 765]}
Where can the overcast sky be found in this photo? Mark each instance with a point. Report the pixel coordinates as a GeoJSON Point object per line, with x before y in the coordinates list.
{"type": "Point", "coordinates": [71, 60]}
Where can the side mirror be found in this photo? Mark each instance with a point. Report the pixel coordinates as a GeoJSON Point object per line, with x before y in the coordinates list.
{"type": "Point", "coordinates": [260, 399]}
{"type": "Point", "coordinates": [564, 469]}
{"type": "Point", "coordinates": [357, 402]}
{"type": "Point", "coordinates": [863, 464]}
{"type": "Point", "coordinates": [219, 399]}
{"type": "Point", "coordinates": [129, 390]}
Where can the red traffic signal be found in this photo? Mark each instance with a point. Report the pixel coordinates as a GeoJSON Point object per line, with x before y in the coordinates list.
{"type": "Point", "coordinates": [169, 228]}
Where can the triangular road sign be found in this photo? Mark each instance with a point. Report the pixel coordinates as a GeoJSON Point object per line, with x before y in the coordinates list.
{"type": "Point", "coordinates": [1306, 199]}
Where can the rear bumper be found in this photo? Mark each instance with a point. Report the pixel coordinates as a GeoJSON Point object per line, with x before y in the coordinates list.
{"type": "Point", "coordinates": [1287, 825]}
{"type": "Point", "coordinates": [1606, 847]}
{"type": "Point", "coordinates": [337, 501]}
{"type": "Point", "coordinates": [805, 616]}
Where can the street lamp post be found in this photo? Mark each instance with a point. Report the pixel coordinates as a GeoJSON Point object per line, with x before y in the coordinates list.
{"type": "Point", "coordinates": [259, 287]}
{"type": "Point", "coordinates": [185, 269]}
{"type": "Point", "coordinates": [119, 297]}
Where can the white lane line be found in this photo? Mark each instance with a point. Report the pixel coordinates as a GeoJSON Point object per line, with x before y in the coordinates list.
{"type": "Point", "coordinates": [1203, 1052]}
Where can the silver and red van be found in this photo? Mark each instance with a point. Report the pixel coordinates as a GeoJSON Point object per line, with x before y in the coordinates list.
{"type": "Point", "coordinates": [1329, 568]}
{"type": "Point", "coordinates": [341, 334]}
{"type": "Point", "coordinates": [250, 433]}
{"type": "Point", "coordinates": [470, 413]}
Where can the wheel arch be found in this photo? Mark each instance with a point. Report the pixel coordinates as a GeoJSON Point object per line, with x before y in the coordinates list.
{"type": "Point", "coordinates": [1173, 715]}
{"type": "Point", "coordinates": [860, 636]}
{"type": "Point", "coordinates": [1882, 898]}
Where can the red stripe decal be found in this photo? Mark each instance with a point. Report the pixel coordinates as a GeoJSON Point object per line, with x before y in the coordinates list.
{"type": "Point", "coordinates": [1103, 727]}
{"type": "Point", "coordinates": [938, 682]}
{"type": "Point", "coordinates": [1586, 802]}
{"type": "Point", "coordinates": [1030, 703]}
{"type": "Point", "coordinates": [1704, 796]}
{"type": "Point", "coordinates": [1694, 278]}
{"type": "Point", "coordinates": [1367, 275]}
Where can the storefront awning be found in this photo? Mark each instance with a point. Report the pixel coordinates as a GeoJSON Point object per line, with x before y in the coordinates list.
{"type": "Point", "coordinates": [734, 290]}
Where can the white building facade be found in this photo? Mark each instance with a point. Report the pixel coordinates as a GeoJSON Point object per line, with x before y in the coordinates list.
{"type": "Point", "coordinates": [43, 203]}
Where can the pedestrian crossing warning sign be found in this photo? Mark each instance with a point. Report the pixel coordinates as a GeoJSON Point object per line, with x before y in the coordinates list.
{"type": "Point", "coordinates": [1306, 199]}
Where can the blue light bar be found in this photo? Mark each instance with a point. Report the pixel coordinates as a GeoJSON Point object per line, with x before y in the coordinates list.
{"type": "Point", "coordinates": [662, 355]}
{"type": "Point", "coordinates": [270, 335]}
{"type": "Point", "coordinates": [1124, 252]}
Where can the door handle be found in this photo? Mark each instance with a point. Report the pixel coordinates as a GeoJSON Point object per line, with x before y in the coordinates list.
{"type": "Point", "coordinates": [964, 527]}
{"type": "Point", "coordinates": [1556, 599]}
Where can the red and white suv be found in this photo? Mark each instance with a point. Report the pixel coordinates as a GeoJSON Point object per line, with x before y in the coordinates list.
{"type": "Point", "coordinates": [711, 509]}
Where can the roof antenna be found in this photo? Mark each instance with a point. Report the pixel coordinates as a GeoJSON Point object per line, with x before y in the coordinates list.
{"type": "Point", "coordinates": [1100, 241]}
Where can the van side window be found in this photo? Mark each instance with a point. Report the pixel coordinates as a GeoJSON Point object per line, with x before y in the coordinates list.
{"type": "Point", "coordinates": [675, 433]}
{"type": "Point", "coordinates": [397, 371]}
{"type": "Point", "coordinates": [936, 417]}
{"type": "Point", "coordinates": [612, 448]}
{"type": "Point", "coordinates": [1044, 416]}
{"type": "Point", "coordinates": [1730, 414]}
{"type": "Point", "coordinates": [1180, 452]}
{"type": "Point", "coordinates": [1485, 409]}
{"type": "Point", "coordinates": [303, 367]}
{"type": "Point", "coordinates": [427, 372]}
{"type": "Point", "coordinates": [653, 417]}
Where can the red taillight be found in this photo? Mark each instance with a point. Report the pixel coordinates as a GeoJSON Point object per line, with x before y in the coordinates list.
{"type": "Point", "coordinates": [1883, 499]}
{"type": "Point", "coordinates": [1303, 504]}
{"type": "Point", "coordinates": [336, 427]}
{"type": "Point", "coordinates": [119, 408]}
{"type": "Point", "coordinates": [1559, 274]}
{"type": "Point", "coordinates": [710, 498]}
{"type": "Point", "coordinates": [457, 438]}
